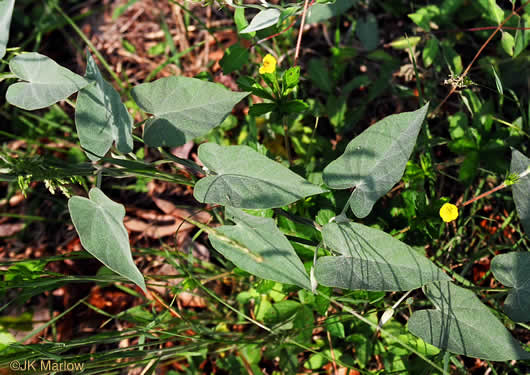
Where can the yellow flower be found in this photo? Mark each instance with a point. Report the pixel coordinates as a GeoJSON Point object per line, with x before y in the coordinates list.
{"type": "Point", "coordinates": [448, 212]}
{"type": "Point", "coordinates": [269, 64]}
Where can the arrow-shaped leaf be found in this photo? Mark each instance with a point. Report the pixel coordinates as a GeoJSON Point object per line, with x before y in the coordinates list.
{"type": "Point", "coordinates": [278, 262]}
{"type": "Point", "coordinates": [183, 108]}
{"type": "Point", "coordinates": [513, 270]}
{"type": "Point", "coordinates": [247, 179]}
{"type": "Point", "coordinates": [47, 82]}
{"type": "Point", "coordinates": [375, 160]}
{"type": "Point", "coordinates": [521, 189]}
{"type": "Point", "coordinates": [100, 116]}
{"type": "Point", "coordinates": [99, 223]}
{"type": "Point", "coordinates": [6, 11]}
{"type": "Point", "coordinates": [371, 260]}
{"type": "Point", "coordinates": [463, 325]}
{"type": "Point", "coordinates": [262, 20]}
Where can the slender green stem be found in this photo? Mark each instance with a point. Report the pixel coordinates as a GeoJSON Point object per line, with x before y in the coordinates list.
{"type": "Point", "coordinates": [91, 46]}
{"type": "Point", "coordinates": [286, 140]}
{"type": "Point", "coordinates": [52, 321]}
{"type": "Point", "coordinates": [99, 177]}
{"type": "Point", "coordinates": [197, 19]}
{"type": "Point", "coordinates": [413, 59]}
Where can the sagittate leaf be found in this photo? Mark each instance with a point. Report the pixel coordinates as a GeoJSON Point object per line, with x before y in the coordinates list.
{"type": "Point", "coordinates": [262, 20]}
{"type": "Point", "coordinates": [183, 108]}
{"type": "Point", "coordinates": [277, 259]}
{"type": "Point", "coordinates": [100, 116]}
{"type": "Point", "coordinates": [463, 325]}
{"type": "Point", "coordinates": [47, 82]}
{"type": "Point", "coordinates": [371, 260]}
{"type": "Point", "coordinates": [375, 160]}
{"type": "Point", "coordinates": [245, 178]}
{"type": "Point", "coordinates": [513, 270]}
{"type": "Point", "coordinates": [6, 11]}
{"type": "Point", "coordinates": [99, 223]}
{"type": "Point", "coordinates": [521, 189]}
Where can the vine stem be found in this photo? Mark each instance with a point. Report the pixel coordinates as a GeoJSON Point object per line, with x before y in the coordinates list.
{"type": "Point", "coordinates": [335, 370]}
{"type": "Point", "coordinates": [283, 31]}
{"type": "Point", "coordinates": [499, 27]}
{"type": "Point", "coordinates": [501, 186]}
{"type": "Point", "coordinates": [497, 188]}
{"type": "Point", "coordinates": [300, 32]}
{"type": "Point", "coordinates": [153, 297]}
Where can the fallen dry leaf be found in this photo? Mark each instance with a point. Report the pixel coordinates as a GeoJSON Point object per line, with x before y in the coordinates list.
{"type": "Point", "coordinates": [191, 300]}
{"type": "Point", "coordinates": [7, 230]}
{"type": "Point", "coordinates": [169, 208]}
{"type": "Point", "coordinates": [160, 226]}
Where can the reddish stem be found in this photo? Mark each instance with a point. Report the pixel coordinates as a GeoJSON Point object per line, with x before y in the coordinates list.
{"type": "Point", "coordinates": [501, 186]}
{"type": "Point", "coordinates": [453, 89]}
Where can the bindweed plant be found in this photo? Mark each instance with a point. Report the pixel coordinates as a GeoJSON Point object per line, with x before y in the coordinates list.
{"type": "Point", "coordinates": [255, 190]}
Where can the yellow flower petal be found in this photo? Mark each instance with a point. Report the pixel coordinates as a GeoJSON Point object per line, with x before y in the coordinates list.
{"type": "Point", "coordinates": [448, 212]}
{"type": "Point", "coordinates": [269, 64]}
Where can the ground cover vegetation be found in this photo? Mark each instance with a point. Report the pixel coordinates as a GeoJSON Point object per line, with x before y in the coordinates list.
{"type": "Point", "coordinates": [254, 187]}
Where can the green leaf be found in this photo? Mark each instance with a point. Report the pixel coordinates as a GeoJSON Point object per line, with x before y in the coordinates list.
{"type": "Point", "coordinates": [404, 43]}
{"type": "Point", "coordinates": [363, 348]}
{"type": "Point", "coordinates": [6, 339]}
{"type": "Point", "coordinates": [262, 20]}
{"type": "Point", "coordinates": [317, 360]}
{"type": "Point", "coordinates": [261, 108]}
{"type": "Point", "coordinates": [337, 109]}
{"type": "Point", "coordinates": [183, 108]}
{"type": "Point", "coordinates": [6, 11]}
{"type": "Point", "coordinates": [490, 10]}
{"type": "Point", "coordinates": [281, 311]}
{"type": "Point", "coordinates": [430, 52]}
{"type": "Point", "coordinates": [247, 179]}
{"type": "Point", "coordinates": [522, 36]}
{"type": "Point", "coordinates": [291, 77]}
{"type": "Point", "coordinates": [458, 125]}
{"type": "Point", "coordinates": [100, 116]}
{"type": "Point", "coordinates": [335, 327]}
{"type": "Point", "coordinates": [417, 344]}
{"type": "Point", "coordinates": [513, 270]}
{"type": "Point", "coordinates": [278, 262]}
{"type": "Point", "coordinates": [371, 260]}
{"type": "Point", "coordinates": [48, 82]}
{"type": "Point", "coordinates": [507, 43]}
{"type": "Point", "coordinates": [321, 12]}
{"type": "Point", "coordinates": [375, 160]}
{"type": "Point", "coordinates": [368, 32]}
{"type": "Point", "coordinates": [423, 16]}
{"type": "Point", "coordinates": [234, 58]}
{"type": "Point", "coordinates": [521, 189]}
{"type": "Point", "coordinates": [469, 168]}
{"type": "Point", "coordinates": [294, 106]}
{"type": "Point", "coordinates": [319, 74]}
{"type": "Point", "coordinates": [461, 324]}
{"type": "Point", "coordinates": [498, 82]}
{"type": "Point", "coordinates": [99, 223]}
{"type": "Point", "coordinates": [155, 50]}
{"type": "Point", "coordinates": [453, 59]}
{"type": "Point", "coordinates": [241, 22]}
